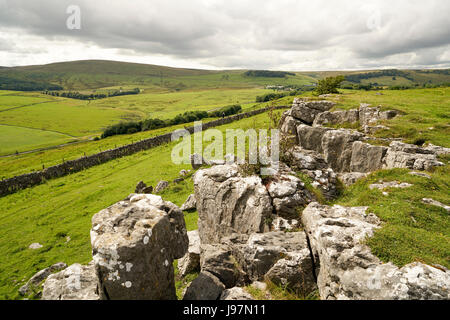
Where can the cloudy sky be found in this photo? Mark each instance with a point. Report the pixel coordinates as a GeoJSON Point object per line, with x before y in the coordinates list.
{"type": "Point", "coordinates": [225, 34]}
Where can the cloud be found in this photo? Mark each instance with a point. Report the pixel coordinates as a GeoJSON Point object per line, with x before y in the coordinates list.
{"type": "Point", "coordinates": [288, 34]}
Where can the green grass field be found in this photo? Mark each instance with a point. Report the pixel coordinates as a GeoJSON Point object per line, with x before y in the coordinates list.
{"type": "Point", "coordinates": [84, 119]}
{"type": "Point", "coordinates": [63, 207]}
{"type": "Point", "coordinates": [17, 139]}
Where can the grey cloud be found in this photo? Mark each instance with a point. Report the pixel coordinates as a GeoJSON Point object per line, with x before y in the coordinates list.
{"type": "Point", "coordinates": [244, 34]}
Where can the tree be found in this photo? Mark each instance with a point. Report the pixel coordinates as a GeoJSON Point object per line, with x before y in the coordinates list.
{"type": "Point", "coordinates": [329, 85]}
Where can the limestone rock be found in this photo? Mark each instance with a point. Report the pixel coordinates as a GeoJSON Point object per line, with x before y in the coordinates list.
{"type": "Point", "coordinates": [295, 271]}
{"type": "Point", "coordinates": [348, 269]}
{"type": "Point", "coordinates": [337, 117]}
{"type": "Point", "coordinates": [301, 159]}
{"type": "Point", "coordinates": [35, 246]}
{"type": "Point", "coordinates": [191, 260]}
{"type": "Point", "coordinates": [390, 184]}
{"type": "Point", "coordinates": [236, 293]}
{"type": "Point", "coordinates": [436, 203]}
{"type": "Point", "coordinates": [161, 186]}
{"type": "Point", "coordinates": [143, 188]}
{"type": "Point", "coordinates": [281, 224]}
{"type": "Point", "coordinates": [420, 174]}
{"type": "Point", "coordinates": [283, 257]}
{"type": "Point", "coordinates": [368, 115]}
{"type": "Point", "coordinates": [197, 161]}
{"type": "Point", "coordinates": [351, 177]}
{"type": "Point", "coordinates": [218, 260]}
{"type": "Point", "coordinates": [337, 148]}
{"type": "Point", "coordinates": [76, 282]}
{"type": "Point", "coordinates": [366, 158]}
{"type": "Point", "coordinates": [229, 203]}
{"type": "Point", "coordinates": [437, 149]}
{"type": "Point", "coordinates": [288, 193]}
{"type": "Point", "coordinates": [189, 204]}
{"type": "Point", "coordinates": [310, 138]}
{"type": "Point", "coordinates": [40, 276]}
{"type": "Point", "coordinates": [134, 243]}
{"type": "Point", "coordinates": [307, 111]}
{"type": "Point", "coordinates": [402, 155]}
{"type": "Point", "coordinates": [288, 124]}
{"type": "Point", "coordinates": [205, 287]}
{"type": "Point", "coordinates": [325, 180]}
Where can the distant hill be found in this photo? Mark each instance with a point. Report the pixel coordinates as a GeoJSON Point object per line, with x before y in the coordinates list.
{"type": "Point", "coordinates": [389, 77]}
{"type": "Point", "coordinates": [96, 74]}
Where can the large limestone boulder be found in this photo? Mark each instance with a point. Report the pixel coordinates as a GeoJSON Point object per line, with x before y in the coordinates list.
{"type": "Point", "coordinates": [367, 158]}
{"type": "Point", "coordinates": [348, 269]}
{"type": "Point", "coordinates": [189, 204]}
{"type": "Point", "coordinates": [288, 194]}
{"type": "Point", "coordinates": [369, 115]}
{"type": "Point", "coordinates": [337, 146]}
{"type": "Point", "coordinates": [302, 159]}
{"type": "Point", "coordinates": [229, 203]}
{"type": "Point", "coordinates": [351, 178]}
{"type": "Point", "coordinates": [310, 138]}
{"type": "Point", "coordinates": [205, 287]}
{"type": "Point", "coordinates": [282, 257]}
{"type": "Point", "coordinates": [288, 124]}
{"type": "Point", "coordinates": [337, 117]}
{"type": "Point", "coordinates": [307, 111]}
{"type": "Point", "coordinates": [134, 243]}
{"type": "Point", "coordinates": [218, 260]}
{"type": "Point", "coordinates": [76, 282]}
{"type": "Point", "coordinates": [191, 260]}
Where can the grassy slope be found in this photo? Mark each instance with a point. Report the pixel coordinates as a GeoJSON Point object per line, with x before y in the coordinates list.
{"type": "Point", "coordinates": [20, 139]}
{"type": "Point", "coordinates": [64, 207]}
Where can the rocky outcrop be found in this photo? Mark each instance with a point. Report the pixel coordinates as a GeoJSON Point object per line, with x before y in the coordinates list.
{"type": "Point", "coordinates": [310, 138]}
{"type": "Point", "coordinates": [348, 269]}
{"type": "Point", "coordinates": [161, 186]}
{"type": "Point", "coordinates": [143, 188]}
{"type": "Point", "coordinates": [218, 260]}
{"type": "Point", "coordinates": [189, 204]}
{"type": "Point", "coordinates": [191, 260]}
{"type": "Point", "coordinates": [390, 184]}
{"type": "Point", "coordinates": [229, 203]}
{"type": "Point", "coordinates": [350, 178]}
{"type": "Point", "coordinates": [76, 282]}
{"type": "Point", "coordinates": [288, 194]}
{"type": "Point", "coordinates": [402, 155]}
{"type": "Point", "coordinates": [205, 287]}
{"type": "Point", "coordinates": [368, 115]}
{"type": "Point", "coordinates": [40, 276]}
{"type": "Point", "coordinates": [366, 158]}
{"type": "Point", "coordinates": [436, 203]}
{"type": "Point", "coordinates": [134, 243]}
{"type": "Point", "coordinates": [283, 258]}
{"type": "Point", "coordinates": [288, 124]}
{"type": "Point", "coordinates": [337, 146]}
{"type": "Point", "coordinates": [307, 111]}
{"type": "Point", "coordinates": [337, 117]}
{"type": "Point", "coordinates": [236, 293]}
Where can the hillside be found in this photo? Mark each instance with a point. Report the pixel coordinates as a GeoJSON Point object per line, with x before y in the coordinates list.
{"type": "Point", "coordinates": [94, 74]}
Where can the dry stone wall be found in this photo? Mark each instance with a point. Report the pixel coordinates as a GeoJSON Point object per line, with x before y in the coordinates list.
{"type": "Point", "coordinates": [28, 180]}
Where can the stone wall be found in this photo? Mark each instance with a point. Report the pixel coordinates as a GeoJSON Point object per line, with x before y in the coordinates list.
{"type": "Point", "coordinates": [17, 183]}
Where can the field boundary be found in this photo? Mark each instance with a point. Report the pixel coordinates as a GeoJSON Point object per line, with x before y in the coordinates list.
{"type": "Point", "coordinates": [20, 182]}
